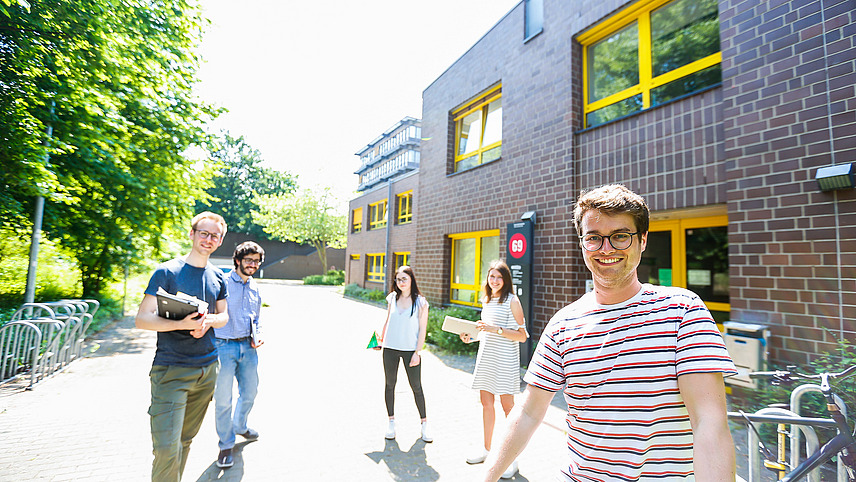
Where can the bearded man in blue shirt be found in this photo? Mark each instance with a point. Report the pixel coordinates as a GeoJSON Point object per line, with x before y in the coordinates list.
{"type": "Point", "coordinates": [236, 349]}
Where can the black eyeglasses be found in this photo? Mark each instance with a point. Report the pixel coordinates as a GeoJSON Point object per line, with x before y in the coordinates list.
{"type": "Point", "coordinates": [207, 235]}
{"type": "Point", "coordinates": [402, 279]}
{"type": "Point", "coordinates": [251, 261]}
{"type": "Point", "coordinates": [593, 242]}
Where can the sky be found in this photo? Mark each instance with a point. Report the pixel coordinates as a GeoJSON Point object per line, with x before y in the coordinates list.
{"type": "Point", "coordinates": [309, 83]}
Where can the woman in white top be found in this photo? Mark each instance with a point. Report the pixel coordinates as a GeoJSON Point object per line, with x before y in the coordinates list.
{"type": "Point", "coordinates": [402, 338]}
{"type": "Point", "coordinates": [497, 370]}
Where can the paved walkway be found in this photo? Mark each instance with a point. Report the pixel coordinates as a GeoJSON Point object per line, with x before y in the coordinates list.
{"type": "Point", "coordinates": [320, 409]}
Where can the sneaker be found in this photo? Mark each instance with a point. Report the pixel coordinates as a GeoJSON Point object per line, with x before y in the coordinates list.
{"type": "Point", "coordinates": [425, 436]}
{"type": "Point", "coordinates": [390, 430]}
{"type": "Point", "coordinates": [510, 471]}
{"type": "Point", "coordinates": [478, 458]}
{"type": "Point", "coordinates": [224, 460]}
{"type": "Point", "coordinates": [250, 434]}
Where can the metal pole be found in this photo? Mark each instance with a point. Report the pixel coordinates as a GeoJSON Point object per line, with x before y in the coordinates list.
{"type": "Point", "coordinates": [30, 292]}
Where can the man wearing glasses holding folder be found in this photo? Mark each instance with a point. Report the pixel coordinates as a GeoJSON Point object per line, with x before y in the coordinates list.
{"type": "Point", "coordinates": [184, 370]}
{"type": "Point", "coordinates": [236, 348]}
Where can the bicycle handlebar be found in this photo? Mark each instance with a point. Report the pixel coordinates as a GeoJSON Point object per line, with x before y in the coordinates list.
{"type": "Point", "coordinates": [786, 375]}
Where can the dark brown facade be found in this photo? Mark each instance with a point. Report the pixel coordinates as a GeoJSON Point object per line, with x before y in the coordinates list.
{"type": "Point", "coordinates": [748, 147]}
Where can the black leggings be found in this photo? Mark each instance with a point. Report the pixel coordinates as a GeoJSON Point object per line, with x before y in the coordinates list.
{"type": "Point", "coordinates": [414, 376]}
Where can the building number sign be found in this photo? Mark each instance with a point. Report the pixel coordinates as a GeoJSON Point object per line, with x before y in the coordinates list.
{"type": "Point", "coordinates": [517, 245]}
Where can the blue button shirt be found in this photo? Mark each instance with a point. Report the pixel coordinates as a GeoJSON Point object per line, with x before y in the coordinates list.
{"type": "Point", "coordinates": [245, 303]}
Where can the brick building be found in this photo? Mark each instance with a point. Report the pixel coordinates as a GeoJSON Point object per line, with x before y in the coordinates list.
{"type": "Point", "coordinates": [382, 233]}
{"type": "Point", "coordinates": [719, 112]}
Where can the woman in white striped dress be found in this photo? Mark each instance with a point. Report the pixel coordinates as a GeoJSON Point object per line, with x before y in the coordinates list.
{"type": "Point", "coordinates": [497, 369]}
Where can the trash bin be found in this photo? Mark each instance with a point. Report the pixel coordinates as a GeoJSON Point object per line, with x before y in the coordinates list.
{"type": "Point", "coordinates": [747, 345]}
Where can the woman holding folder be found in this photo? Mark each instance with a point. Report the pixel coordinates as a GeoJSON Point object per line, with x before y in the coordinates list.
{"type": "Point", "coordinates": [497, 370]}
{"type": "Point", "coordinates": [402, 338]}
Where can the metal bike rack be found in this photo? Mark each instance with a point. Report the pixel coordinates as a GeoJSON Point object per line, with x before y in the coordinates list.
{"type": "Point", "coordinates": [812, 444]}
{"type": "Point", "coordinates": [795, 434]}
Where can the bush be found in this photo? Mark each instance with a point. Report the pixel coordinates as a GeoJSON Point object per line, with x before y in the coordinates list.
{"type": "Point", "coordinates": [333, 277]}
{"type": "Point", "coordinates": [57, 275]}
{"type": "Point", "coordinates": [353, 290]}
{"type": "Point", "coordinates": [444, 340]}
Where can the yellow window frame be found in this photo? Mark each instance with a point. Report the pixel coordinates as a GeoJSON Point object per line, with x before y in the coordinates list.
{"type": "Point", "coordinates": [376, 267]}
{"type": "Point", "coordinates": [471, 287]}
{"type": "Point", "coordinates": [355, 257]}
{"type": "Point", "coordinates": [401, 259]}
{"type": "Point", "coordinates": [405, 207]}
{"type": "Point", "coordinates": [482, 102]}
{"type": "Point", "coordinates": [641, 13]}
{"type": "Point", "coordinates": [676, 228]}
{"type": "Point", "coordinates": [377, 215]}
{"type": "Point", "coordinates": [357, 220]}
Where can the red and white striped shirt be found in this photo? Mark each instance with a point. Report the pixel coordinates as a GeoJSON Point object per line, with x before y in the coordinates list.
{"type": "Point", "coordinates": [618, 366]}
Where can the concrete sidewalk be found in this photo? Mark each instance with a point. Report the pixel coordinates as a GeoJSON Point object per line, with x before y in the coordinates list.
{"type": "Point", "coordinates": [320, 409]}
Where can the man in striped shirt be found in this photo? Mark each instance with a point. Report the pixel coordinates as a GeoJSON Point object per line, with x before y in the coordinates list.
{"type": "Point", "coordinates": [641, 366]}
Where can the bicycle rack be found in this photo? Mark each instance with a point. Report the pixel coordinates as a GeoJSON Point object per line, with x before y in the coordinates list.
{"type": "Point", "coordinates": [796, 394]}
{"type": "Point", "coordinates": [811, 442]}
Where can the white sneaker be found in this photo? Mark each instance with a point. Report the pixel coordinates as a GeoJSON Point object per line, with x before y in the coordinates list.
{"type": "Point", "coordinates": [390, 430]}
{"type": "Point", "coordinates": [478, 458]}
{"type": "Point", "coordinates": [510, 471]}
{"type": "Point", "coordinates": [425, 436]}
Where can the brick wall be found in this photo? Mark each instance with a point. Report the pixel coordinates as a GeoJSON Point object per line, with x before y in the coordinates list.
{"type": "Point", "coordinates": [789, 69]}
{"type": "Point", "coordinates": [785, 107]}
{"type": "Point", "coordinates": [401, 236]}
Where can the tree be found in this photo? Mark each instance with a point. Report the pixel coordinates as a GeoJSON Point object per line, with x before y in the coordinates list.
{"type": "Point", "coordinates": [305, 217]}
{"type": "Point", "coordinates": [8, 3]}
{"type": "Point", "coordinates": [113, 80]}
{"type": "Point", "coordinates": [239, 177]}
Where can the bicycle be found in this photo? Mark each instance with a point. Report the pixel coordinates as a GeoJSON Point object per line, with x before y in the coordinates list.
{"type": "Point", "coordinates": [843, 444]}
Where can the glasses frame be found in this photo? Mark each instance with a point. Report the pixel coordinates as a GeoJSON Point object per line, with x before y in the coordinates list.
{"type": "Point", "coordinates": [404, 278]}
{"type": "Point", "coordinates": [208, 235]}
{"type": "Point", "coordinates": [604, 238]}
{"type": "Point", "coordinates": [251, 261]}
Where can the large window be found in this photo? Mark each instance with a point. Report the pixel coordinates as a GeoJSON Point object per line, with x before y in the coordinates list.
{"type": "Point", "coordinates": [471, 256]}
{"type": "Point", "coordinates": [648, 54]}
{"type": "Point", "coordinates": [478, 130]}
{"type": "Point", "coordinates": [376, 267]}
{"type": "Point", "coordinates": [357, 220]}
{"type": "Point", "coordinates": [377, 215]}
{"type": "Point", "coordinates": [405, 207]}
{"type": "Point", "coordinates": [691, 253]}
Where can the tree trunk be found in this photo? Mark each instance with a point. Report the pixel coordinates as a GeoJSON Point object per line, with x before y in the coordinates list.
{"type": "Point", "coordinates": [321, 246]}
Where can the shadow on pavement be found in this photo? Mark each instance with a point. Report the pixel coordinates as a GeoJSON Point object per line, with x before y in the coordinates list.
{"type": "Point", "coordinates": [410, 465]}
{"type": "Point", "coordinates": [235, 472]}
{"type": "Point", "coordinates": [120, 337]}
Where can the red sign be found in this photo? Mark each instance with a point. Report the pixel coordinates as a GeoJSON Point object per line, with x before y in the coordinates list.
{"type": "Point", "coordinates": [517, 245]}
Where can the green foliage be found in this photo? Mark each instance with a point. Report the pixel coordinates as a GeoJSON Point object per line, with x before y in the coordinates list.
{"type": "Point", "coordinates": [239, 177]}
{"type": "Point", "coordinates": [449, 341]}
{"type": "Point", "coordinates": [333, 277]}
{"type": "Point", "coordinates": [57, 276]}
{"type": "Point", "coordinates": [354, 290]}
{"type": "Point", "coordinates": [304, 217]}
{"type": "Point", "coordinates": [96, 113]}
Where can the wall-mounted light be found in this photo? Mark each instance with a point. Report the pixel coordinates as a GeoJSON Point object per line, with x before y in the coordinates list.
{"type": "Point", "coordinates": [836, 177]}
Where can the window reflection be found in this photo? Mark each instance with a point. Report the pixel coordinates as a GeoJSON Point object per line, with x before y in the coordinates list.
{"type": "Point", "coordinates": [682, 32]}
{"type": "Point", "coordinates": [613, 63]}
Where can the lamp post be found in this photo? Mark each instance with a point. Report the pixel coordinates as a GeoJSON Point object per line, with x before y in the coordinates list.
{"type": "Point", "coordinates": [30, 292]}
